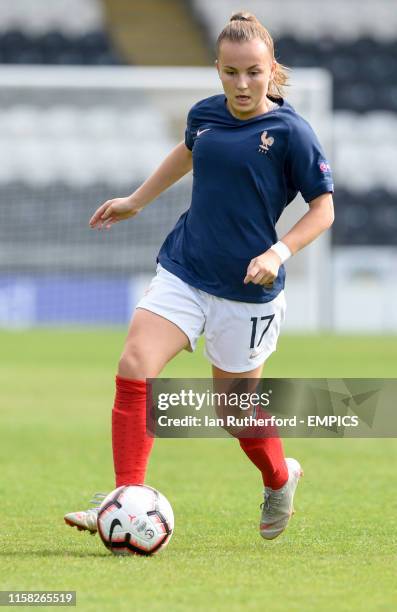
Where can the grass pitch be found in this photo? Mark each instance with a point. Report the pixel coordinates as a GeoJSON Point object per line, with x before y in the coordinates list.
{"type": "Point", "coordinates": [339, 553]}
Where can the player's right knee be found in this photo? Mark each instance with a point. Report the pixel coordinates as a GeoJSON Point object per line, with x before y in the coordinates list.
{"type": "Point", "coordinates": [130, 365]}
{"type": "Point", "coordinates": [134, 363]}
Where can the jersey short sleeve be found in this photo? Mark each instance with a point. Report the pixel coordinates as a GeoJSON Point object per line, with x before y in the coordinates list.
{"type": "Point", "coordinates": [307, 169]}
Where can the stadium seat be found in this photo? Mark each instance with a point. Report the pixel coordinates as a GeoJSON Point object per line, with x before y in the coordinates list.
{"type": "Point", "coordinates": [388, 97]}
{"type": "Point", "coordinates": [72, 17]}
{"type": "Point", "coordinates": [365, 218]}
{"type": "Point", "coordinates": [55, 47]}
{"type": "Point", "coordinates": [57, 32]}
{"type": "Point", "coordinates": [81, 145]}
{"type": "Point", "coordinates": [307, 19]}
{"type": "Point", "coordinates": [364, 70]}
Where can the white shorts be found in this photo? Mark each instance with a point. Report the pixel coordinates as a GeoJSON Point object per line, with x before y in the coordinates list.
{"type": "Point", "coordinates": [239, 336]}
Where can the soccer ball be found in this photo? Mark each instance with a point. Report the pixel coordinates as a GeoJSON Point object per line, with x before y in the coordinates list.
{"type": "Point", "coordinates": [135, 520]}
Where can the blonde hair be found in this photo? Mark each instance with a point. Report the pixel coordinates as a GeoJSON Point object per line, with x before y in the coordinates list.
{"type": "Point", "coordinates": [243, 27]}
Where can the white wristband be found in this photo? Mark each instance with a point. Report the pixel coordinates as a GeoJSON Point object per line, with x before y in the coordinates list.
{"type": "Point", "coordinates": [282, 251]}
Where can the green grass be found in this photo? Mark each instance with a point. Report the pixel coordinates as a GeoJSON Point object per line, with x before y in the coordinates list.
{"type": "Point", "coordinates": [339, 552]}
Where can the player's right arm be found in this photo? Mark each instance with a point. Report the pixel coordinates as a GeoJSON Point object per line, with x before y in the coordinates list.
{"type": "Point", "coordinates": [175, 166]}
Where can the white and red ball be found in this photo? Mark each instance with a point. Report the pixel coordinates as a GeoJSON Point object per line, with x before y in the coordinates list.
{"type": "Point", "coordinates": [135, 520]}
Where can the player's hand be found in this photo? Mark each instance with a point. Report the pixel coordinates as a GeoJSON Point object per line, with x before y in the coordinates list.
{"type": "Point", "coordinates": [262, 270]}
{"type": "Point", "coordinates": [113, 211]}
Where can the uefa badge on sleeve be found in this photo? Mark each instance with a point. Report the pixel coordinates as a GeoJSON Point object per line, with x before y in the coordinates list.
{"type": "Point", "coordinates": [325, 167]}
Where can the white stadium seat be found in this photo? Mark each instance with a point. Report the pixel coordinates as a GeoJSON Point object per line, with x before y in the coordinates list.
{"type": "Point", "coordinates": [20, 122]}
{"type": "Point", "coordinates": [344, 19]}
{"type": "Point", "coordinates": [40, 16]}
{"type": "Point", "coordinates": [81, 146]}
{"type": "Point", "coordinates": [60, 121]}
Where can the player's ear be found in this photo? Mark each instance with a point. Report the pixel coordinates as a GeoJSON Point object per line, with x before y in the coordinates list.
{"type": "Point", "coordinates": [217, 65]}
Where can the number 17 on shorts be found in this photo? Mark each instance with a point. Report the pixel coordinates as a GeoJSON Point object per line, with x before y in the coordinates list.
{"type": "Point", "coordinates": [241, 336]}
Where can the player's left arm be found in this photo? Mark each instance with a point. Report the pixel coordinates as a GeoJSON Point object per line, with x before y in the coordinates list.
{"type": "Point", "coordinates": [318, 218]}
{"type": "Point", "coordinates": [263, 269]}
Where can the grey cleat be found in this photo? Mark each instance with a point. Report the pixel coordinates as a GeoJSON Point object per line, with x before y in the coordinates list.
{"type": "Point", "coordinates": [86, 520]}
{"type": "Point", "coordinates": [278, 506]}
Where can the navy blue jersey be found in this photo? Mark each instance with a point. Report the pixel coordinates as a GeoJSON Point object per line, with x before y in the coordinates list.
{"type": "Point", "coordinates": [244, 174]}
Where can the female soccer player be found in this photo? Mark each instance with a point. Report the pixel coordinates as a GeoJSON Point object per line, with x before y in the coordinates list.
{"type": "Point", "coordinates": [220, 270]}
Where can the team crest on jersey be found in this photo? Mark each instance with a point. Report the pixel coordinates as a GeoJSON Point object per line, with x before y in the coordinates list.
{"type": "Point", "coordinates": [267, 142]}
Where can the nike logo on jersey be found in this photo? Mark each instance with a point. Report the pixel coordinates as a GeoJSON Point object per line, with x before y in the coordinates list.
{"type": "Point", "coordinates": [267, 142]}
{"type": "Point", "coordinates": [199, 132]}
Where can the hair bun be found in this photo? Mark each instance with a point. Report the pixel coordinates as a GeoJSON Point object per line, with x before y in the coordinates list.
{"type": "Point", "coordinates": [242, 17]}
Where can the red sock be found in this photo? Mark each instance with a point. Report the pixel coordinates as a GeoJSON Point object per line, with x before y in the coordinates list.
{"type": "Point", "coordinates": [264, 448]}
{"type": "Point", "coordinates": [268, 456]}
{"type": "Point", "coordinates": [131, 444]}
